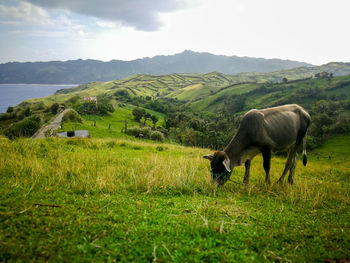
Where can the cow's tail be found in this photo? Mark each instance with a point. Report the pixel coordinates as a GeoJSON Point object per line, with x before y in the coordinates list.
{"type": "Point", "coordinates": [304, 151]}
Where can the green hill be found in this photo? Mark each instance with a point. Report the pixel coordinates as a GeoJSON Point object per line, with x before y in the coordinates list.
{"type": "Point", "coordinates": [189, 106]}
{"type": "Point", "coordinates": [208, 92]}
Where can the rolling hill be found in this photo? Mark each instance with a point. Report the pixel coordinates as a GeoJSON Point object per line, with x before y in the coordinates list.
{"type": "Point", "coordinates": [206, 92]}
{"type": "Point", "coordinates": [190, 106]}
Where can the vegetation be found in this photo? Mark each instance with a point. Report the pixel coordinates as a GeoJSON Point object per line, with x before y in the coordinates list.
{"type": "Point", "coordinates": [130, 200]}
{"type": "Point", "coordinates": [24, 128]}
{"type": "Point", "coordinates": [146, 133]}
{"type": "Point", "coordinates": [72, 116]}
{"type": "Point", "coordinates": [199, 110]}
{"type": "Point", "coordinates": [94, 107]}
{"type": "Point", "coordinates": [121, 200]}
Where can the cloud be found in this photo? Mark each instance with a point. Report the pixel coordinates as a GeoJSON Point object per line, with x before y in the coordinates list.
{"type": "Point", "coordinates": [24, 12]}
{"type": "Point", "coordinates": [142, 15]}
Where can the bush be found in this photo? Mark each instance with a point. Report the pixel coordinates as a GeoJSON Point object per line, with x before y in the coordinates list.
{"type": "Point", "coordinates": [24, 128]}
{"type": "Point", "coordinates": [27, 112]}
{"type": "Point", "coordinates": [134, 131]}
{"type": "Point", "coordinates": [9, 109]}
{"type": "Point", "coordinates": [140, 132]}
{"type": "Point", "coordinates": [71, 116]}
{"type": "Point", "coordinates": [146, 133]}
{"type": "Point", "coordinates": [7, 116]}
{"type": "Point", "coordinates": [38, 106]}
{"type": "Point", "coordinates": [157, 136]}
{"type": "Point", "coordinates": [54, 108]}
{"type": "Point", "coordinates": [138, 113]}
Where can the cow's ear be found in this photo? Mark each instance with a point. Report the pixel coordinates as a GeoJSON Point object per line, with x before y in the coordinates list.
{"type": "Point", "coordinates": [227, 163]}
{"type": "Point", "coordinates": [210, 157]}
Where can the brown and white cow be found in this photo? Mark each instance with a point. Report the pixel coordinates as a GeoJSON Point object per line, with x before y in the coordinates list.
{"type": "Point", "coordinates": [263, 131]}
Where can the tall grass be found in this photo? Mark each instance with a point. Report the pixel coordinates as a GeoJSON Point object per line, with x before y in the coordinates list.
{"type": "Point", "coordinates": [116, 166]}
{"type": "Point", "coordinates": [124, 200]}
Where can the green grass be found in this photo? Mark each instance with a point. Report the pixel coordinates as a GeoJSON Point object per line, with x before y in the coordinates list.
{"type": "Point", "coordinates": [80, 200]}
{"type": "Point", "coordinates": [203, 91]}
{"type": "Point", "coordinates": [115, 119]}
{"type": "Point", "coordinates": [336, 148]}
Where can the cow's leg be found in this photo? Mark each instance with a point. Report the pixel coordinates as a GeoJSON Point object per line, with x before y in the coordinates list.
{"type": "Point", "coordinates": [292, 169]}
{"type": "Point", "coordinates": [288, 165]}
{"type": "Point", "coordinates": [247, 172]}
{"type": "Point", "coordinates": [266, 153]}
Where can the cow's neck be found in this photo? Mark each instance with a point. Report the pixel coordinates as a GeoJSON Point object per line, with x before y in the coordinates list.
{"type": "Point", "coordinates": [235, 150]}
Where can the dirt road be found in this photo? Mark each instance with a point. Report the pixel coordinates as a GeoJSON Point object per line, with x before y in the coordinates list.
{"type": "Point", "coordinates": [54, 125]}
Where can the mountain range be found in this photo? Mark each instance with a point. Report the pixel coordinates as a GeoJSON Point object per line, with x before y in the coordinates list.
{"type": "Point", "coordinates": [84, 71]}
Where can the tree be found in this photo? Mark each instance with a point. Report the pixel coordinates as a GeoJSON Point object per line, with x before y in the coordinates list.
{"type": "Point", "coordinates": [233, 104]}
{"type": "Point", "coordinates": [27, 112]}
{"type": "Point", "coordinates": [154, 120]}
{"type": "Point", "coordinates": [54, 108]}
{"type": "Point", "coordinates": [138, 113]}
{"type": "Point", "coordinates": [9, 109]}
{"type": "Point", "coordinates": [146, 117]}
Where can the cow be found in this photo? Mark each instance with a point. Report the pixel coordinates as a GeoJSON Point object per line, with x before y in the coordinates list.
{"type": "Point", "coordinates": [263, 131]}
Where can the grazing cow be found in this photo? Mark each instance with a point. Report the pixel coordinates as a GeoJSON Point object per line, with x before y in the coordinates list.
{"type": "Point", "coordinates": [263, 131]}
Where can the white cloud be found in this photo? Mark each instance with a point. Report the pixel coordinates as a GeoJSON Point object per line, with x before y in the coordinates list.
{"type": "Point", "coordinates": [105, 24]}
{"type": "Point", "coordinates": [25, 12]}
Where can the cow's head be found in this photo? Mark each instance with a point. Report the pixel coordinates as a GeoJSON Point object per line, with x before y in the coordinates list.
{"type": "Point", "coordinates": [220, 167]}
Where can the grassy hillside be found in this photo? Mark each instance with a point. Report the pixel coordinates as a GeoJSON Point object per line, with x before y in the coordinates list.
{"type": "Point", "coordinates": [201, 89]}
{"type": "Point", "coordinates": [304, 92]}
{"type": "Point", "coordinates": [109, 126]}
{"type": "Point", "coordinates": [121, 200]}
{"type": "Point", "coordinates": [194, 109]}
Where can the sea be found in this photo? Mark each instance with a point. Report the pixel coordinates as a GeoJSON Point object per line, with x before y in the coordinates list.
{"type": "Point", "coordinates": [13, 94]}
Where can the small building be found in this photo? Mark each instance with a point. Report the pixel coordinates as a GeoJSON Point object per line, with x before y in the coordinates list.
{"type": "Point", "coordinates": [74, 134]}
{"type": "Point", "coordinates": [92, 99]}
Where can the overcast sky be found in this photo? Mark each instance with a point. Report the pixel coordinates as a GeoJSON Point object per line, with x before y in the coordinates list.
{"type": "Point", "coordinates": [313, 31]}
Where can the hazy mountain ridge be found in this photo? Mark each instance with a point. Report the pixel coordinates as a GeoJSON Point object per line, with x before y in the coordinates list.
{"type": "Point", "coordinates": [83, 71]}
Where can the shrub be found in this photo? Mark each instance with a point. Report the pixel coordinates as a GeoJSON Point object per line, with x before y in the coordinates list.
{"type": "Point", "coordinates": [54, 108]}
{"type": "Point", "coordinates": [138, 113]}
{"type": "Point", "coordinates": [9, 109]}
{"type": "Point", "coordinates": [27, 112]}
{"type": "Point", "coordinates": [146, 133]}
{"type": "Point", "coordinates": [7, 116]}
{"type": "Point", "coordinates": [38, 106]}
{"type": "Point", "coordinates": [134, 131]}
{"type": "Point", "coordinates": [157, 136]}
{"type": "Point", "coordinates": [24, 128]}
{"type": "Point", "coordinates": [72, 116]}
{"type": "Point", "coordinates": [122, 94]}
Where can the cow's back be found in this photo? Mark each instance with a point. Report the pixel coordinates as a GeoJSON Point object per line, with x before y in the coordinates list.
{"type": "Point", "coordinates": [277, 128]}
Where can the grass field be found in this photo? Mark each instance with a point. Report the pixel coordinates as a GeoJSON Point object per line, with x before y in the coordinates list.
{"type": "Point", "coordinates": [115, 119]}
{"type": "Point", "coordinates": [123, 200]}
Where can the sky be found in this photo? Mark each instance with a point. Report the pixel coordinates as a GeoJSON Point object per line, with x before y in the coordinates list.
{"type": "Point", "coordinates": [313, 31]}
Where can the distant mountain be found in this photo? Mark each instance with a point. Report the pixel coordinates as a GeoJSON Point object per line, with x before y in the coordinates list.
{"type": "Point", "coordinates": [84, 71]}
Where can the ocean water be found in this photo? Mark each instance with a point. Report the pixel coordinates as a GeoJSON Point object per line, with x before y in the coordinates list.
{"type": "Point", "coordinates": [13, 94]}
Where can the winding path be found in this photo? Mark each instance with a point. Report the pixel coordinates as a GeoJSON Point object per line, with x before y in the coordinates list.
{"type": "Point", "coordinates": [54, 125]}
